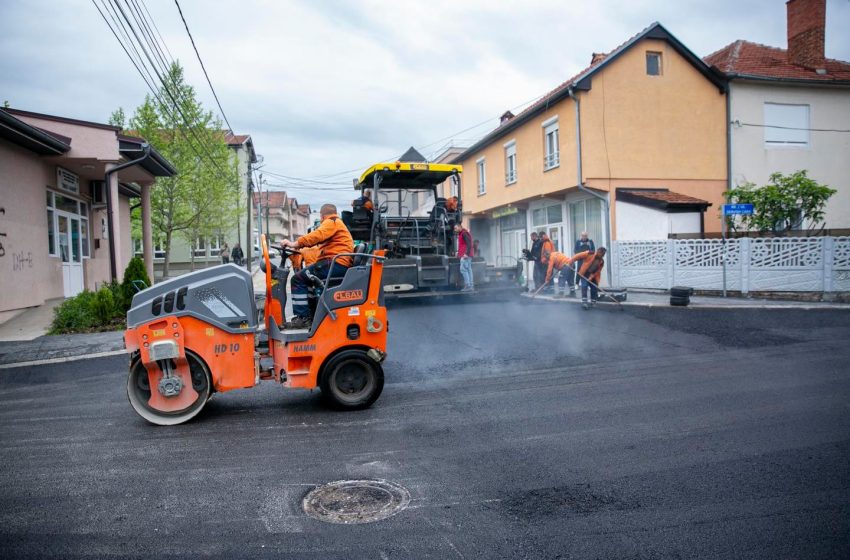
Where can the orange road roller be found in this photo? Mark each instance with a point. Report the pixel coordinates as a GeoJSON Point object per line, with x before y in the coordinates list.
{"type": "Point", "coordinates": [200, 334]}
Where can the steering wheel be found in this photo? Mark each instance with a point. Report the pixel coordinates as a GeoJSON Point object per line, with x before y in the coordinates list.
{"type": "Point", "coordinates": [267, 262]}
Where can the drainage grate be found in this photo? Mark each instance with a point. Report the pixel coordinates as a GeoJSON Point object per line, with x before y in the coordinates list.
{"type": "Point", "coordinates": [355, 501]}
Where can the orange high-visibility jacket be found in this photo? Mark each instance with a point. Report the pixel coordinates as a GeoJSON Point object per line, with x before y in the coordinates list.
{"type": "Point", "coordinates": [557, 261]}
{"type": "Point", "coordinates": [305, 257]}
{"type": "Point", "coordinates": [592, 266]}
{"type": "Point", "coordinates": [331, 238]}
{"type": "Point", "coordinates": [547, 249]}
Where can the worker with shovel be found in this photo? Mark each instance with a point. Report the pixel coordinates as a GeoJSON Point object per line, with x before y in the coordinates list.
{"type": "Point", "coordinates": [590, 273]}
{"type": "Point", "coordinates": [560, 262]}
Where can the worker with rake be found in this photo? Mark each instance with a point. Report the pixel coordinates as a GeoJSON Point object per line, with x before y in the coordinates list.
{"type": "Point", "coordinates": [590, 272]}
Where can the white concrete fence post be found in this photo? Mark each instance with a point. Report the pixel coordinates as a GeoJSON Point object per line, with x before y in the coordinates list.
{"type": "Point", "coordinates": [744, 258]}
{"type": "Point", "coordinates": [828, 246]}
{"type": "Point", "coordinates": [671, 261]}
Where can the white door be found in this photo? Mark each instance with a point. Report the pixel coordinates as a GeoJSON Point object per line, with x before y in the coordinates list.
{"type": "Point", "coordinates": [70, 253]}
{"type": "Point", "coordinates": [555, 235]}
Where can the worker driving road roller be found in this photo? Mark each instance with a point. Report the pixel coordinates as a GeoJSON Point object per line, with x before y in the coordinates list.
{"type": "Point", "coordinates": [332, 238]}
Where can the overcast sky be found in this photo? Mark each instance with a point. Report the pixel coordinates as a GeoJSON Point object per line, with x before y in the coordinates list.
{"type": "Point", "coordinates": [326, 86]}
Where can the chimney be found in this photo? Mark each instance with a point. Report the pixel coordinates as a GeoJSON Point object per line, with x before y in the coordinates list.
{"type": "Point", "coordinates": [505, 117]}
{"type": "Point", "coordinates": [806, 27]}
{"type": "Point", "coordinates": [597, 57]}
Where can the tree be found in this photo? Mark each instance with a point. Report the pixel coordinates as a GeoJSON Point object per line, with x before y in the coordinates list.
{"type": "Point", "coordinates": [198, 200]}
{"type": "Point", "coordinates": [118, 118]}
{"type": "Point", "coordinates": [785, 203]}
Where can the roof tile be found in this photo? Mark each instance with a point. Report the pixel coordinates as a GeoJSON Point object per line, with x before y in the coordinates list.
{"type": "Point", "coordinates": [753, 59]}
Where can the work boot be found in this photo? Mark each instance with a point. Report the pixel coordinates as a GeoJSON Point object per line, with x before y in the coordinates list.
{"type": "Point", "coordinates": [468, 289]}
{"type": "Point", "coordinates": [593, 303]}
{"type": "Point", "coordinates": [572, 292]}
{"type": "Point", "coordinates": [299, 323]}
{"type": "Point", "coordinates": [585, 304]}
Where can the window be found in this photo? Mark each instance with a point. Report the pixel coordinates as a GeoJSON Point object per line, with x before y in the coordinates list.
{"type": "Point", "coordinates": [550, 144]}
{"type": "Point", "coordinates": [653, 63]}
{"type": "Point", "coordinates": [547, 215]}
{"type": "Point", "coordinates": [200, 247]}
{"type": "Point", "coordinates": [510, 162]}
{"type": "Point", "coordinates": [51, 235]}
{"type": "Point", "coordinates": [482, 185]}
{"type": "Point", "coordinates": [158, 250]}
{"type": "Point", "coordinates": [84, 229]}
{"type": "Point", "coordinates": [586, 215]}
{"type": "Point", "coordinates": [786, 126]}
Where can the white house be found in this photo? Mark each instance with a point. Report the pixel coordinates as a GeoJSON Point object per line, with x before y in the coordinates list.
{"type": "Point", "coordinates": [790, 108]}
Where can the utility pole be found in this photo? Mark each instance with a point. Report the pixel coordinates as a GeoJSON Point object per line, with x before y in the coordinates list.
{"type": "Point", "coordinates": [249, 205]}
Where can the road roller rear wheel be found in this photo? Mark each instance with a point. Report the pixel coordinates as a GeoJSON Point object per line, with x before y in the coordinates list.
{"type": "Point", "coordinates": [139, 392]}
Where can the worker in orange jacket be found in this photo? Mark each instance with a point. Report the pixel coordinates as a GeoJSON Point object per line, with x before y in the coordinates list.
{"type": "Point", "coordinates": [590, 273]}
{"type": "Point", "coordinates": [546, 249]}
{"type": "Point", "coordinates": [560, 262]}
{"type": "Point", "coordinates": [304, 257]}
{"type": "Point", "coordinates": [331, 238]}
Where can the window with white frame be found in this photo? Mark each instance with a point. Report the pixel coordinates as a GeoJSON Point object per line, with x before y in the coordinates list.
{"type": "Point", "coordinates": [786, 126]}
{"type": "Point", "coordinates": [200, 249]}
{"type": "Point", "coordinates": [510, 162]}
{"type": "Point", "coordinates": [73, 209]}
{"type": "Point", "coordinates": [551, 145]}
{"type": "Point", "coordinates": [158, 249]}
{"type": "Point", "coordinates": [482, 185]}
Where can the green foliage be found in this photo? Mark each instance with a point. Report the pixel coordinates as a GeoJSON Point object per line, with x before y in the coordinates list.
{"type": "Point", "coordinates": [103, 308]}
{"type": "Point", "coordinates": [74, 314]}
{"type": "Point", "coordinates": [783, 204]}
{"type": "Point", "coordinates": [134, 271]}
{"type": "Point", "coordinates": [118, 118]}
{"type": "Point", "coordinates": [199, 200]}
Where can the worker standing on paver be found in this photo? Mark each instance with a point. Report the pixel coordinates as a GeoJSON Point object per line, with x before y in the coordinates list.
{"type": "Point", "coordinates": [560, 262]}
{"type": "Point", "coordinates": [590, 273]}
{"type": "Point", "coordinates": [465, 252]}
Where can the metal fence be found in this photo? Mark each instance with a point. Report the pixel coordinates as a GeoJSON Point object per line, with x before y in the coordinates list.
{"type": "Point", "coordinates": [810, 264]}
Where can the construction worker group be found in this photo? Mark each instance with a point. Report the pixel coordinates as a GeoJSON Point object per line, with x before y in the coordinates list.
{"type": "Point", "coordinates": [585, 266]}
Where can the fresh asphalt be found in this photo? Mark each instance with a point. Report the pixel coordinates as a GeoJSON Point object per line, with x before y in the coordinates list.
{"type": "Point", "coordinates": [521, 430]}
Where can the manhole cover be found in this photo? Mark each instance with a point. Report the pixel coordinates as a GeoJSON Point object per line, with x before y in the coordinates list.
{"type": "Point", "coordinates": [355, 501]}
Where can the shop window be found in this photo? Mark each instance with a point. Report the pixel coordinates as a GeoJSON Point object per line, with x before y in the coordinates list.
{"type": "Point", "coordinates": [586, 215]}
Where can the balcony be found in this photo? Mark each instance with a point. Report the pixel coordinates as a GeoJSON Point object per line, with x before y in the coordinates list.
{"type": "Point", "coordinates": [551, 160]}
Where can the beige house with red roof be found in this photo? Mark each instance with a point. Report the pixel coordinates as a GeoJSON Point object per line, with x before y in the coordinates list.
{"type": "Point", "coordinates": [640, 132]}
{"type": "Point", "coordinates": [282, 216]}
{"type": "Point", "coordinates": [790, 108]}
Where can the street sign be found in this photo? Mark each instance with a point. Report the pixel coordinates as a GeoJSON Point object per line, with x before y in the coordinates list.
{"type": "Point", "coordinates": [737, 209]}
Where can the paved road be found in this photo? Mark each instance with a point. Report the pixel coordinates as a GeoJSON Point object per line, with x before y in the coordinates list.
{"type": "Point", "coordinates": [521, 431]}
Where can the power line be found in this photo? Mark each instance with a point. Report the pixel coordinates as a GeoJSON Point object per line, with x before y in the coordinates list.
{"type": "Point", "coordinates": [168, 91]}
{"type": "Point", "coordinates": [215, 95]}
{"type": "Point", "coordinates": [739, 123]}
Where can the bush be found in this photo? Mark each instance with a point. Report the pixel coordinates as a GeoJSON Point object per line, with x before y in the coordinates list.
{"type": "Point", "coordinates": [134, 271]}
{"type": "Point", "coordinates": [103, 307]}
{"type": "Point", "coordinates": [74, 314]}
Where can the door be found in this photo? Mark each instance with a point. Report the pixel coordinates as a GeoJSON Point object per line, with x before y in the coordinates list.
{"type": "Point", "coordinates": [70, 254]}
{"type": "Point", "coordinates": [556, 238]}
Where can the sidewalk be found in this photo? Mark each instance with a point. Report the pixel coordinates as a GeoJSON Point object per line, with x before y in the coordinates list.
{"type": "Point", "coordinates": [647, 298]}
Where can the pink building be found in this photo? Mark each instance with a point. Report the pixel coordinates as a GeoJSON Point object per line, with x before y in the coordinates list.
{"type": "Point", "coordinates": [66, 189]}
